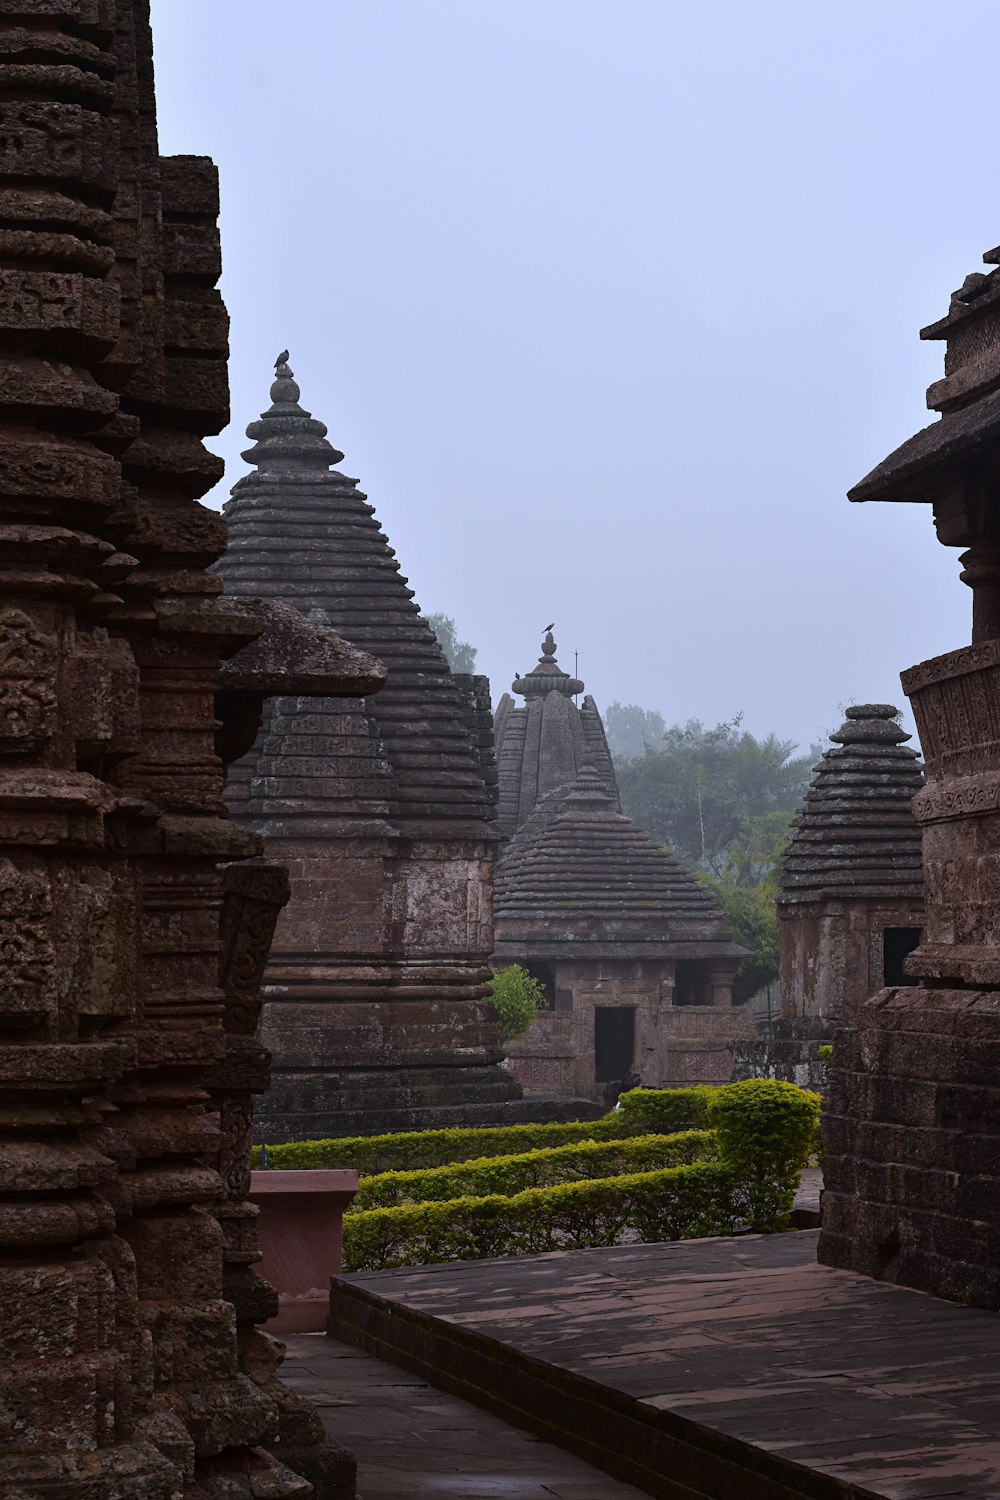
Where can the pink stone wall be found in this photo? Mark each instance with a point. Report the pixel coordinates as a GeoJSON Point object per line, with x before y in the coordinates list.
{"type": "Point", "coordinates": [301, 1233]}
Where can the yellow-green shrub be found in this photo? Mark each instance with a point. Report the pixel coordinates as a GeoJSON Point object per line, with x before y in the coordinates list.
{"type": "Point", "coordinates": [765, 1130]}
{"type": "Point", "coordinates": [508, 1175]}
{"type": "Point", "coordinates": [762, 1130]}
{"type": "Point", "coordinates": [660, 1111]}
{"type": "Point", "coordinates": [643, 1112]}
{"type": "Point", "coordinates": [677, 1203]}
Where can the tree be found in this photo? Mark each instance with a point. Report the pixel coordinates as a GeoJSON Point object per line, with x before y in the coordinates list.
{"type": "Point", "coordinates": [460, 655]}
{"type": "Point", "coordinates": [753, 920]}
{"type": "Point", "coordinates": [517, 998]}
{"type": "Point", "coordinates": [632, 731]}
{"type": "Point", "coordinates": [723, 801]}
{"type": "Point", "coordinates": [703, 791]}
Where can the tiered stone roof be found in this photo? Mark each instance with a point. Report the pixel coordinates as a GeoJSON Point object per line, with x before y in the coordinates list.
{"type": "Point", "coordinates": [967, 398]}
{"type": "Point", "coordinates": [300, 530]}
{"type": "Point", "coordinates": [542, 746]}
{"type": "Point", "coordinates": [856, 838]}
{"type": "Point", "coordinates": [580, 871]}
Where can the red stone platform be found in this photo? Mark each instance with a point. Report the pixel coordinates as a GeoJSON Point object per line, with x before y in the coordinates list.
{"type": "Point", "coordinates": [728, 1369]}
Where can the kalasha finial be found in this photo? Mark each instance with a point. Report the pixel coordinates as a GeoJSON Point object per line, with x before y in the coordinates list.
{"type": "Point", "coordinates": [284, 389]}
{"type": "Point", "coordinates": [286, 436]}
{"type": "Point", "coordinates": [547, 676]}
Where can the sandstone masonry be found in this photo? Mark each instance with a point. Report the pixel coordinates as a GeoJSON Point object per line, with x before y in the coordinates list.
{"type": "Point", "coordinates": [913, 1184]}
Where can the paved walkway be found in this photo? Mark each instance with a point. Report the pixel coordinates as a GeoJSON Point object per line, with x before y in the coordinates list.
{"type": "Point", "coordinates": [729, 1367]}
{"type": "Point", "coordinates": [415, 1443]}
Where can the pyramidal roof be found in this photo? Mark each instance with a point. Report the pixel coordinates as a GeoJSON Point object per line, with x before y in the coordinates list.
{"type": "Point", "coordinates": [856, 837]}
{"type": "Point", "coordinates": [301, 531]}
{"type": "Point", "coordinates": [579, 869]}
{"type": "Point", "coordinates": [543, 746]}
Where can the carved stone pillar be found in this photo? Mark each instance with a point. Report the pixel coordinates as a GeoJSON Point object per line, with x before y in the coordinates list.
{"type": "Point", "coordinates": [73, 1354]}
{"type": "Point", "coordinates": [911, 1164]}
{"type": "Point", "coordinates": [120, 1374]}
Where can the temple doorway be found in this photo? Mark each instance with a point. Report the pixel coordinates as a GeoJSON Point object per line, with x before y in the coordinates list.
{"type": "Point", "coordinates": [614, 1042]}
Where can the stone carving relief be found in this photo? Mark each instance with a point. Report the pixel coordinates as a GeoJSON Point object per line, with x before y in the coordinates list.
{"type": "Point", "coordinates": [707, 1067]}
{"type": "Point", "coordinates": [27, 956]}
{"type": "Point", "coordinates": [27, 683]}
{"type": "Point", "coordinates": [537, 1072]}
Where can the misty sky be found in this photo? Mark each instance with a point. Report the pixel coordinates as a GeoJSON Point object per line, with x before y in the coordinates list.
{"type": "Point", "coordinates": [608, 303]}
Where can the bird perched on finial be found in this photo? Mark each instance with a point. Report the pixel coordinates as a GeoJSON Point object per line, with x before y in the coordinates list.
{"type": "Point", "coordinates": [282, 359]}
{"type": "Point", "coordinates": [550, 627]}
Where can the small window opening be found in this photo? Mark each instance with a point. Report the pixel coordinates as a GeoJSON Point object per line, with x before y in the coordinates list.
{"type": "Point", "coordinates": [545, 974]}
{"type": "Point", "coordinates": [897, 942]}
{"type": "Point", "coordinates": [691, 985]}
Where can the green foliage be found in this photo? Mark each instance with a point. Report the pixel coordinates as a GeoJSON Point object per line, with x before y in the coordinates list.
{"type": "Point", "coordinates": [765, 1132]}
{"type": "Point", "coordinates": [659, 1112]}
{"type": "Point", "coordinates": [633, 731]}
{"type": "Point", "coordinates": [751, 858]}
{"type": "Point", "coordinates": [705, 790]}
{"type": "Point", "coordinates": [460, 655]}
{"type": "Point", "coordinates": [753, 920]}
{"type": "Point", "coordinates": [508, 1175]}
{"type": "Point", "coordinates": [826, 1053]}
{"type": "Point", "coordinates": [517, 998]}
{"type": "Point", "coordinates": [638, 1177]}
{"type": "Point", "coordinates": [677, 1203]}
{"type": "Point", "coordinates": [414, 1149]}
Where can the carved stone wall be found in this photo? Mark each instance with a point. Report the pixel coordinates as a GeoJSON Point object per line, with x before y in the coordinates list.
{"type": "Point", "coordinates": [129, 1362]}
{"type": "Point", "coordinates": [673, 1045]}
{"type": "Point", "coordinates": [911, 1163]}
{"type": "Point", "coordinates": [851, 869]}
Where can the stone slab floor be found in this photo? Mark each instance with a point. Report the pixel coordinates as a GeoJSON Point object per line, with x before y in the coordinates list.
{"type": "Point", "coordinates": [735, 1369]}
{"type": "Point", "coordinates": [413, 1442]}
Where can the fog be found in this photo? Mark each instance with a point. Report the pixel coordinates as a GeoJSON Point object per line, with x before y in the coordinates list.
{"type": "Point", "coordinates": [608, 304]}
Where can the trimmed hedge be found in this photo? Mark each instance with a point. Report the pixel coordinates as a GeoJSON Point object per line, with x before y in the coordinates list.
{"type": "Point", "coordinates": [509, 1175]}
{"type": "Point", "coordinates": [765, 1130]}
{"type": "Point", "coordinates": [661, 1111]}
{"type": "Point", "coordinates": [762, 1130]}
{"type": "Point", "coordinates": [677, 1203]}
{"type": "Point", "coordinates": [642, 1112]}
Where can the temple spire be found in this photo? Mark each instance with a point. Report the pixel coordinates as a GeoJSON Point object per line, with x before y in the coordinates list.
{"type": "Point", "coordinates": [289, 439]}
{"type": "Point", "coordinates": [547, 676]}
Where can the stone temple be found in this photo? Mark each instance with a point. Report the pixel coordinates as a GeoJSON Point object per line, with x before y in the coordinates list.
{"type": "Point", "coordinates": [634, 953]}
{"type": "Point", "coordinates": [383, 809]}
{"type": "Point", "coordinates": [912, 1169]}
{"type": "Point", "coordinates": [851, 896]}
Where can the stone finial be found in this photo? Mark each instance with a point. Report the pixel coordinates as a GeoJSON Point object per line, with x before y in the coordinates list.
{"type": "Point", "coordinates": [871, 724]}
{"type": "Point", "coordinates": [289, 439]}
{"type": "Point", "coordinates": [547, 676]}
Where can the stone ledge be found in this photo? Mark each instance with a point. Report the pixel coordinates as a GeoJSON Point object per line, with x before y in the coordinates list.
{"type": "Point", "coordinates": [735, 1368]}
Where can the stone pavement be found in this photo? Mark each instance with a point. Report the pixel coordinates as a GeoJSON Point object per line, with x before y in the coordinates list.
{"type": "Point", "coordinates": [729, 1369]}
{"type": "Point", "coordinates": [413, 1442]}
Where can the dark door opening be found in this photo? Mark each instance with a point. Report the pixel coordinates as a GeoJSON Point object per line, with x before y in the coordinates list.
{"type": "Point", "coordinates": [614, 1042]}
{"type": "Point", "coordinates": [897, 942]}
{"type": "Point", "coordinates": [691, 983]}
